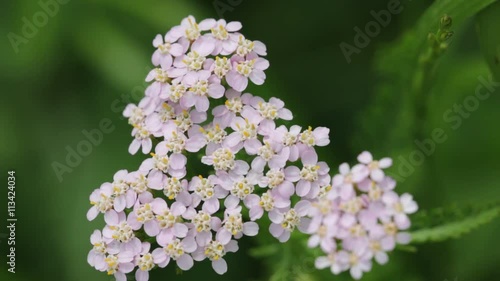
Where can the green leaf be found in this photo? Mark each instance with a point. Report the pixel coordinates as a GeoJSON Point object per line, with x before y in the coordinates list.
{"type": "Point", "coordinates": [488, 22]}
{"type": "Point", "coordinates": [392, 119]}
{"type": "Point", "coordinates": [440, 230]}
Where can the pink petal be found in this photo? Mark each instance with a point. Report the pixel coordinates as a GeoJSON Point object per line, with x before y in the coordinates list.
{"type": "Point", "coordinates": [233, 26]}
{"type": "Point", "coordinates": [180, 230]}
{"type": "Point", "coordinates": [223, 236]}
{"type": "Point", "coordinates": [385, 163]}
{"type": "Point", "coordinates": [258, 77]}
{"type": "Point", "coordinates": [134, 146]}
{"type": "Point", "coordinates": [142, 275]}
{"type": "Point", "coordinates": [302, 207]}
{"type": "Point", "coordinates": [216, 91]}
{"type": "Point", "coordinates": [202, 104]}
{"type": "Point", "coordinates": [237, 81]}
{"type": "Point", "coordinates": [365, 157]}
{"type": "Point", "coordinates": [203, 46]}
{"type": "Point", "coordinates": [92, 213]}
{"type": "Point", "coordinates": [220, 266]}
{"type": "Point", "coordinates": [152, 228]}
{"type": "Point", "coordinates": [176, 50]}
{"type": "Point", "coordinates": [276, 217]}
{"type": "Point", "coordinates": [310, 157]}
{"type": "Point", "coordinates": [185, 262]}
{"type": "Point", "coordinates": [250, 228]}
{"type": "Point", "coordinates": [111, 217]}
{"type": "Point", "coordinates": [292, 173]}
{"type": "Point", "coordinates": [303, 188]}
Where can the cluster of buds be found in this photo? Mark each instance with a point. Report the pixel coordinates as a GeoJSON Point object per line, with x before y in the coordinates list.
{"type": "Point", "coordinates": [195, 104]}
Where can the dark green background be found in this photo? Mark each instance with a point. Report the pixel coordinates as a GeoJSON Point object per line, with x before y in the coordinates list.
{"type": "Point", "coordinates": [66, 78]}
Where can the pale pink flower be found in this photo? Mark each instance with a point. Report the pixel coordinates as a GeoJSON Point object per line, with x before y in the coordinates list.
{"type": "Point", "coordinates": [283, 223]}
{"type": "Point", "coordinates": [186, 66]}
{"type": "Point", "coordinates": [203, 223]}
{"type": "Point", "coordinates": [338, 262]}
{"type": "Point", "coordinates": [233, 226]}
{"type": "Point", "coordinates": [162, 120]}
{"type": "Point", "coordinates": [271, 154]}
{"type": "Point", "coordinates": [360, 261]}
{"type": "Point", "coordinates": [174, 142]}
{"type": "Point", "coordinates": [164, 52]}
{"type": "Point", "coordinates": [160, 85]}
{"type": "Point", "coordinates": [225, 36]}
{"type": "Point", "coordinates": [223, 158]}
{"type": "Point", "coordinates": [174, 165]}
{"type": "Point", "coordinates": [177, 250]}
{"type": "Point", "coordinates": [189, 29]}
{"type": "Point", "coordinates": [138, 182]}
{"type": "Point", "coordinates": [186, 119]}
{"type": "Point", "coordinates": [239, 186]}
{"type": "Point", "coordinates": [267, 202]}
{"type": "Point", "coordinates": [219, 66]}
{"type": "Point", "coordinates": [117, 228]}
{"type": "Point", "coordinates": [225, 114]}
{"type": "Point", "coordinates": [167, 221]}
{"type": "Point", "coordinates": [313, 175]}
{"type": "Point", "coordinates": [136, 114]}
{"type": "Point", "coordinates": [316, 137]}
{"type": "Point", "coordinates": [378, 248]}
{"type": "Point", "coordinates": [323, 229]}
{"type": "Point", "coordinates": [347, 178]}
{"type": "Point", "coordinates": [251, 67]}
{"type": "Point", "coordinates": [142, 137]}
{"type": "Point", "coordinates": [143, 215]}
{"type": "Point", "coordinates": [98, 253]}
{"type": "Point", "coordinates": [199, 137]}
{"type": "Point", "coordinates": [102, 201]}
{"type": "Point", "coordinates": [288, 138]}
{"type": "Point", "coordinates": [375, 166]}
{"type": "Point", "coordinates": [388, 232]}
{"type": "Point", "coordinates": [400, 208]}
{"type": "Point", "coordinates": [145, 263]}
{"type": "Point", "coordinates": [282, 180]}
{"type": "Point", "coordinates": [208, 191]}
{"type": "Point", "coordinates": [215, 252]}
{"type": "Point", "coordinates": [271, 110]}
{"type": "Point", "coordinates": [350, 209]}
{"type": "Point", "coordinates": [124, 196]}
{"type": "Point", "coordinates": [175, 92]}
{"type": "Point", "coordinates": [245, 134]}
{"type": "Point", "coordinates": [246, 47]}
{"type": "Point", "coordinates": [118, 265]}
{"type": "Point", "coordinates": [201, 87]}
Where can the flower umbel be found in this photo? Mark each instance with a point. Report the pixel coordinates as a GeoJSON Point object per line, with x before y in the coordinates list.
{"type": "Point", "coordinates": [165, 211]}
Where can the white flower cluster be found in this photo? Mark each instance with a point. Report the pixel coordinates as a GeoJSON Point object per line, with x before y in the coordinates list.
{"type": "Point", "coordinates": [195, 104]}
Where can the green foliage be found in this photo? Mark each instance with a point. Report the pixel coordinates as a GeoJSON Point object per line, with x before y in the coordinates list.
{"type": "Point", "coordinates": [488, 22]}
{"type": "Point", "coordinates": [452, 222]}
{"type": "Point", "coordinates": [401, 83]}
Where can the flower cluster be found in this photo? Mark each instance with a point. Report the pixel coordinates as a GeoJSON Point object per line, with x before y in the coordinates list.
{"type": "Point", "coordinates": [360, 218]}
{"type": "Point", "coordinates": [196, 104]}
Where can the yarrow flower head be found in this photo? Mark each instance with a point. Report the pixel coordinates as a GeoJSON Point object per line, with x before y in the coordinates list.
{"type": "Point", "coordinates": [165, 211]}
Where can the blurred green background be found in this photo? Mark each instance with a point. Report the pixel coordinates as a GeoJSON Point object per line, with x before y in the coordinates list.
{"type": "Point", "coordinates": [76, 68]}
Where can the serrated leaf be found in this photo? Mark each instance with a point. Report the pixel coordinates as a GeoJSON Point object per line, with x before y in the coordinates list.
{"type": "Point", "coordinates": [454, 229]}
